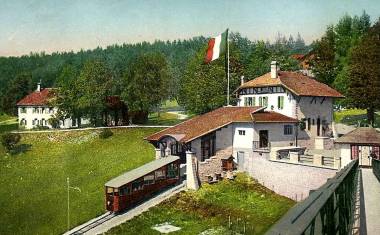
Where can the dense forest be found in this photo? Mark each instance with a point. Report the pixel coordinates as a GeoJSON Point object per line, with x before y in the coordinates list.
{"type": "Point", "coordinates": [19, 75]}
{"type": "Point", "coordinates": [146, 74]}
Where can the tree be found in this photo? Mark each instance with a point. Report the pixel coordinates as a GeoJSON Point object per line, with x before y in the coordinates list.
{"type": "Point", "coordinates": [19, 87]}
{"type": "Point", "coordinates": [364, 70]}
{"type": "Point", "coordinates": [324, 65]}
{"type": "Point", "coordinates": [94, 84]}
{"type": "Point", "coordinates": [67, 96]}
{"type": "Point", "coordinates": [204, 86]}
{"type": "Point", "coordinates": [330, 64]}
{"type": "Point", "coordinates": [146, 84]}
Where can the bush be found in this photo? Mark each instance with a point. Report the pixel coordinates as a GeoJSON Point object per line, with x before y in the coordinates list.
{"type": "Point", "coordinates": [105, 133]}
{"type": "Point", "coordinates": [54, 122]}
{"type": "Point", "coordinates": [10, 140]}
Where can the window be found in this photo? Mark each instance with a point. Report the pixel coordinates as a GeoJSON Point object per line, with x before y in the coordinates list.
{"type": "Point", "coordinates": [23, 110]}
{"type": "Point", "coordinates": [149, 179]}
{"type": "Point", "coordinates": [42, 110]}
{"type": "Point", "coordinates": [308, 124]}
{"type": "Point", "coordinates": [35, 110]}
{"type": "Point", "coordinates": [23, 122]}
{"type": "Point", "coordinates": [125, 190]}
{"type": "Point", "coordinates": [137, 185]}
{"type": "Point", "coordinates": [263, 101]}
{"type": "Point", "coordinates": [160, 174]}
{"type": "Point", "coordinates": [208, 146]}
{"type": "Point", "coordinates": [172, 170]}
{"type": "Point", "coordinates": [288, 129]}
{"type": "Point", "coordinates": [35, 121]}
{"type": "Point", "coordinates": [43, 122]}
{"type": "Point", "coordinates": [51, 110]}
{"type": "Point", "coordinates": [249, 101]}
{"type": "Point", "coordinates": [280, 102]}
{"type": "Point", "coordinates": [241, 132]}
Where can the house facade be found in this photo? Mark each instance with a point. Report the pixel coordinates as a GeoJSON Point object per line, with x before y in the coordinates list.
{"type": "Point", "coordinates": [35, 110]}
{"type": "Point", "coordinates": [266, 123]}
{"type": "Point", "coordinates": [294, 95]}
{"type": "Point", "coordinates": [237, 132]}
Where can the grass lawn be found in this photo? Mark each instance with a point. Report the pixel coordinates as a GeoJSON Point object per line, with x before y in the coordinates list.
{"type": "Point", "coordinates": [7, 123]}
{"type": "Point", "coordinates": [5, 117]}
{"type": "Point", "coordinates": [169, 104]}
{"type": "Point", "coordinates": [164, 119]}
{"type": "Point", "coordinates": [243, 201]}
{"type": "Point", "coordinates": [354, 116]}
{"type": "Point", "coordinates": [33, 196]}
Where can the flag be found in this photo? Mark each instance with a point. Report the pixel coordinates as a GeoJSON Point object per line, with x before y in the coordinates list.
{"type": "Point", "coordinates": [216, 47]}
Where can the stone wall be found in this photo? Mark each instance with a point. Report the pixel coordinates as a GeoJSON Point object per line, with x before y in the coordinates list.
{"type": "Point", "coordinates": [212, 165]}
{"type": "Point", "coordinates": [290, 180]}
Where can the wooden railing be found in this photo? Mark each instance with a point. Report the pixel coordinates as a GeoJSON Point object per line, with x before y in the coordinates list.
{"type": "Point", "coordinates": [328, 210]}
{"type": "Point", "coordinates": [376, 168]}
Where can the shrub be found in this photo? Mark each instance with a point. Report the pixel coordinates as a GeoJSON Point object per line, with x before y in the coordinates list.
{"type": "Point", "coordinates": [105, 133]}
{"type": "Point", "coordinates": [10, 140]}
{"type": "Point", "coordinates": [54, 122]}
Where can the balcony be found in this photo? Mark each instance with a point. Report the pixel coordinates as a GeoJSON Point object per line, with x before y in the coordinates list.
{"type": "Point", "coordinates": [256, 146]}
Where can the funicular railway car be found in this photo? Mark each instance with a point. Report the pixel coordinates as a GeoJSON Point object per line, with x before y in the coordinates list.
{"type": "Point", "coordinates": [136, 185]}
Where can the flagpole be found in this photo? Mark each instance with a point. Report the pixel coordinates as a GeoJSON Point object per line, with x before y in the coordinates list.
{"type": "Point", "coordinates": [228, 71]}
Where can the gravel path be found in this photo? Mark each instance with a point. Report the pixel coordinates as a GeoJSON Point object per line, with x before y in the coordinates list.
{"type": "Point", "coordinates": [371, 194]}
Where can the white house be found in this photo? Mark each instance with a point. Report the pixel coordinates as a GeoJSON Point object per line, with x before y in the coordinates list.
{"type": "Point", "coordinates": [35, 110]}
{"type": "Point", "coordinates": [264, 124]}
{"type": "Point", "coordinates": [294, 95]}
{"type": "Point", "coordinates": [228, 131]}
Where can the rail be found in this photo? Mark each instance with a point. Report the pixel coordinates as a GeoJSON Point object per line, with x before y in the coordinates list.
{"type": "Point", "coordinates": [376, 168]}
{"type": "Point", "coordinates": [328, 210]}
{"type": "Point", "coordinates": [256, 146]}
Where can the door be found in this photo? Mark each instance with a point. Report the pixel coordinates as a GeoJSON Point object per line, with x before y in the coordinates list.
{"type": "Point", "coordinates": [318, 127]}
{"type": "Point", "coordinates": [263, 138]}
{"type": "Point", "coordinates": [365, 152]}
{"type": "Point", "coordinates": [240, 160]}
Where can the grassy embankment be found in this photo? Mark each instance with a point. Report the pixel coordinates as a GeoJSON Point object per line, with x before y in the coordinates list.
{"type": "Point", "coordinates": [7, 123]}
{"type": "Point", "coordinates": [33, 193]}
{"type": "Point", "coordinates": [244, 202]}
{"type": "Point", "coordinates": [354, 117]}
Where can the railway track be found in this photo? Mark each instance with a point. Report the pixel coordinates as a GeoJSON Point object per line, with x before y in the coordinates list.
{"type": "Point", "coordinates": [108, 220]}
{"type": "Point", "coordinates": [92, 224]}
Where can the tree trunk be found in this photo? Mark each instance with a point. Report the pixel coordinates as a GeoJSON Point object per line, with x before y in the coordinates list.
{"type": "Point", "coordinates": [371, 116]}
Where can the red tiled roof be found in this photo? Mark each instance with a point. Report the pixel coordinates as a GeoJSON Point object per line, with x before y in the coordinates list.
{"type": "Point", "coordinates": [361, 135]}
{"type": "Point", "coordinates": [271, 116]}
{"type": "Point", "coordinates": [37, 98]}
{"type": "Point", "coordinates": [208, 122]}
{"type": "Point", "coordinates": [297, 83]}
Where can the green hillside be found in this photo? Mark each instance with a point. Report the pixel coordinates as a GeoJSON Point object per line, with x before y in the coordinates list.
{"type": "Point", "coordinates": [33, 195]}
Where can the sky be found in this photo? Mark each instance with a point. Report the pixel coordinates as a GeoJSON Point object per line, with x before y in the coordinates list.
{"type": "Point", "coordinates": [70, 25]}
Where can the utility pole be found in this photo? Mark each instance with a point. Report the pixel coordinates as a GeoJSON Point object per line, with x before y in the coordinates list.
{"type": "Point", "coordinates": [68, 201]}
{"type": "Point", "coordinates": [228, 71]}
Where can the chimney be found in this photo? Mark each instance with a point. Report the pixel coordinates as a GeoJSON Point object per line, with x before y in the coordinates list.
{"type": "Point", "coordinates": [38, 86]}
{"type": "Point", "coordinates": [274, 68]}
{"type": "Point", "coordinates": [241, 80]}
